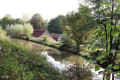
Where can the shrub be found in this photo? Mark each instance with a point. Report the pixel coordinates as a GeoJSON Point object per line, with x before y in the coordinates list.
{"type": "Point", "coordinates": [27, 30]}
{"type": "Point", "coordinates": [2, 33]}
{"type": "Point", "coordinates": [19, 63]}
{"type": "Point", "coordinates": [19, 30]}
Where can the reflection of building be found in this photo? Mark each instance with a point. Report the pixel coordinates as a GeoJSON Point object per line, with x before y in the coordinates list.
{"type": "Point", "coordinates": [57, 37]}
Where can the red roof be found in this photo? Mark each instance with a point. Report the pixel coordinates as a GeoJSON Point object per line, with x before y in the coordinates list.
{"type": "Point", "coordinates": [38, 32]}
{"type": "Point", "coordinates": [53, 35]}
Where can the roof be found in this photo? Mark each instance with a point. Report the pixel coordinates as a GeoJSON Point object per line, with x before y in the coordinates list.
{"type": "Point", "coordinates": [38, 32]}
{"type": "Point", "coordinates": [53, 35]}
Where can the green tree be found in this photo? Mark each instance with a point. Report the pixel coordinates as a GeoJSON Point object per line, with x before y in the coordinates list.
{"type": "Point", "coordinates": [78, 24]}
{"type": "Point", "coordinates": [54, 25]}
{"type": "Point", "coordinates": [106, 15]}
{"type": "Point", "coordinates": [7, 20]}
{"type": "Point", "coordinates": [27, 30]}
{"type": "Point", "coordinates": [19, 21]}
{"type": "Point", "coordinates": [37, 21]}
{"type": "Point", "coordinates": [46, 24]}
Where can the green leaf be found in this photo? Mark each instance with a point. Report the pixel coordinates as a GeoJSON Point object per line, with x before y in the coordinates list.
{"type": "Point", "coordinates": [109, 66]}
{"type": "Point", "coordinates": [102, 61]}
{"type": "Point", "coordinates": [107, 5]}
{"type": "Point", "coordinates": [114, 33]}
{"type": "Point", "coordinates": [118, 0]}
{"type": "Point", "coordinates": [109, 27]}
{"type": "Point", "coordinates": [105, 53]}
{"type": "Point", "coordinates": [88, 60]}
{"type": "Point", "coordinates": [118, 7]}
{"type": "Point", "coordinates": [115, 67]}
{"type": "Point", "coordinates": [97, 68]}
{"type": "Point", "coordinates": [93, 48]}
{"type": "Point", "coordinates": [117, 72]}
{"type": "Point", "coordinates": [102, 4]}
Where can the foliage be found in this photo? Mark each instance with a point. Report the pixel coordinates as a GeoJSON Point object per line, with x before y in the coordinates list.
{"type": "Point", "coordinates": [46, 24]}
{"type": "Point", "coordinates": [19, 21]}
{"type": "Point", "coordinates": [54, 25]}
{"type": "Point", "coordinates": [19, 30]}
{"type": "Point", "coordinates": [37, 21]}
{"type": "Point", "coordinates": [77, 24]}
{"type": "Point", "coordinates": [27, 30]}
{"type": "Point", "coordinates": [106, 15]}
{"type": "Point", "coordinates": [22, 64]}
{"type": "Point", "coordinates": [66, 40]}
{"type": "Point", "coordinates": [2, 33]}
{"type": "Point", "coordinates": [8, 20]}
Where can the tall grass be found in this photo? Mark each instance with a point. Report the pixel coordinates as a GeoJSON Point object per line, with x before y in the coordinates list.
{"type": "Point", "coordinates": [18, 63]}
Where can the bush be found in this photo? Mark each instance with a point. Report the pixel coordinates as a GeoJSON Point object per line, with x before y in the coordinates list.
{"type": "Point", "coordinates": [20, 30]}
{"type": "Point", "coordinates": [27, 30]}
{"type": "Point", "coordinates": [66, 40]}
{"type": "Point", "coordinates": [2, 33]}
{"type": "Point", "coordinates": [19, 63]}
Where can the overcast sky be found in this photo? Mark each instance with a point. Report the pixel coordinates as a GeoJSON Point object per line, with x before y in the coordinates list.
{"type": "Point", "coordinates": [47, 8]}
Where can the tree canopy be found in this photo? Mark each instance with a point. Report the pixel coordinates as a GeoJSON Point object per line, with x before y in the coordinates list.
{"type": "Point", "coordinates": [77, 24]}
{"type": "Point", "coordinates": [37, 21]}
{"type": "Point", "coordinates": [54, 25]}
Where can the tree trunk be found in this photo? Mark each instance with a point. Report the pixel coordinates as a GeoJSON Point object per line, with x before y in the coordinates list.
{"type": "Point", "coordinates": [78, 47]}
{"type": "Point", "coordinates": [111, 37]}
{"type": "Point", "coordinates": [113, 76]}
{"type": "Point", "coordinates": [106, 37]}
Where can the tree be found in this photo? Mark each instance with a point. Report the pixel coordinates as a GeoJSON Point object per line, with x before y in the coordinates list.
{"type": "Point", "coordinates": [19, 21]}
{"type": "Point", "coordinates": [78, 24]}
{"type": "Point", "coordinates": [7, 20]}
{"type": "Point", "coordinates": [26, 18]}
{"type": "Point", "coordinates": [106, 15]}
{"type": "Point", "coordinates": [37, 21]}
{"type": "Point", "coordinates": [46, 24]}
{"type": "Point", "coordinates": [54, 25]}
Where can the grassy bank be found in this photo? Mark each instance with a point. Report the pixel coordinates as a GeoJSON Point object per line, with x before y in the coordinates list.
{"type": "Point", "coordinates": [92, 56]}
{"type": "Point", "coordinates": [18, 63]}
{"type": "Point", "coordinates": [56, 45]}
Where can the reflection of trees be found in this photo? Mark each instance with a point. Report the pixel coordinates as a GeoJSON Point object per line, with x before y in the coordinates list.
{"type": "Point", "coordinates": [79, 73]}
{"type": "Point", "coordinates": [107, 75]}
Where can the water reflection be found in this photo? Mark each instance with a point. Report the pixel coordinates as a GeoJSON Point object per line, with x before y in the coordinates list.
{"type": "Point", "coordinates": [62, 60]}
{"type": "Point", "coordinates": [62, 65]}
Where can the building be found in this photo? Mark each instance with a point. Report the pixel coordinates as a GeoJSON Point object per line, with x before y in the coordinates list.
{"type": "Point", "coordinates": [57, 37]}
{"type": "Point", "coordinates": [41, 33]}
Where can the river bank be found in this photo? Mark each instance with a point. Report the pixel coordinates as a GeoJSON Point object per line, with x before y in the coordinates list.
{"type": "Point", "coordinates": [58, 46]}
{"type": "Point", "coordinates": [20, 63]}
{"type": "Point", "coordinates": [89, 56]}
{"type": "Point", "coordinates": [58, 58]}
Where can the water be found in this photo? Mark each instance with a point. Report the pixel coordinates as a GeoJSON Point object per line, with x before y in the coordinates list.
{"type": "Point", "coordinates": [59, 59]}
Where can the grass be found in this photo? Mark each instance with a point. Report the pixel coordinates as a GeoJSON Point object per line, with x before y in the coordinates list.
{"type": "Point", "coordinates": [18, 63]}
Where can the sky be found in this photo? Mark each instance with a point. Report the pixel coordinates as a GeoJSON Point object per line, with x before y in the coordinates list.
{"type": "Point", "coordinates": [47, 8]}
